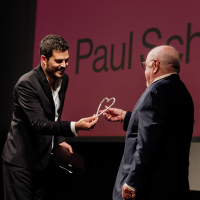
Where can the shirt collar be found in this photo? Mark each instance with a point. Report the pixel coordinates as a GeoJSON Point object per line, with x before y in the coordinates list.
{"type": "Point", "coordinates": [163, 76]}
{"type": "Point", "coordinates": [58, 83]}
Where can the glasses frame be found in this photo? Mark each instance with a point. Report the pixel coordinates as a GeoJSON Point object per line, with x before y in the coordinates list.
{"type": "Point", "coordinates": [144, 64]}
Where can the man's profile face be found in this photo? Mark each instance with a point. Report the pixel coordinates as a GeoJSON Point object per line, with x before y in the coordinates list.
{"type": "Point", "coordinates": [149, 71]}
{"type": "Point", "coordinates": [57, 64]}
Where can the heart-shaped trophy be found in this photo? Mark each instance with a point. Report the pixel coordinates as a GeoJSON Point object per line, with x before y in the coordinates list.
{"type": "Point", "coordinates": [107, 107]}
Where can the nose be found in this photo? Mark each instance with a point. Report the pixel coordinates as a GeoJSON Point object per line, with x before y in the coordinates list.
{"type": "Point", "coordinates": [63, 64]}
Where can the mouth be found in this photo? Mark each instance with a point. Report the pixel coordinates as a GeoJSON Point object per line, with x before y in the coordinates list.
{"type": "Point", "coordinates": [60, 71]}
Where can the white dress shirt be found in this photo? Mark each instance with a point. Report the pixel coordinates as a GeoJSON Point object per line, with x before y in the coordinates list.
{"type": "Point", "coordinates": [57, 105]}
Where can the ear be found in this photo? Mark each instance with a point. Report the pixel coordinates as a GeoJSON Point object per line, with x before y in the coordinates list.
{"type": "Point", "coordinates": [43, 60]}
{"type": "Point", "coordinates": [156, 66]}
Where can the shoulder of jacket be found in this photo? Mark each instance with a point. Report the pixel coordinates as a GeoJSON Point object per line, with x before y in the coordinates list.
{"type": "Point", "coordinates": [65, 76]}
{"type": "Point", "coordinates": [65, 79]}
{"type": "Point", "coordinates": [29, 77]}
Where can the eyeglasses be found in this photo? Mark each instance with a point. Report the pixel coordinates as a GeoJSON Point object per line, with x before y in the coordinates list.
{"type": "Point", "coordinates": [144, 64]}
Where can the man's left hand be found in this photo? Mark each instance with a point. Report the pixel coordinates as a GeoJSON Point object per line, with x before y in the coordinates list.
{"type": "Point", "coordinates": [67, 146]}
{"type": "Point", "coordinates": [127, 193]}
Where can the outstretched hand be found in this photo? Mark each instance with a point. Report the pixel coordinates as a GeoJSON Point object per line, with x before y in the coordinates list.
{"type": "Point", "coordinates": [114, 114]}
{"type": "Point", "coordinates": [86, 123]}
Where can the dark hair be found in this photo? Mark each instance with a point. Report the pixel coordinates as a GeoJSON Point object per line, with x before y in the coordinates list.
{"type": "Point", "coordinates": [50, 43]}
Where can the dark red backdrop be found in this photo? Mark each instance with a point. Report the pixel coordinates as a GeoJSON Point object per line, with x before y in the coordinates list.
{"type": "Point", "coordinates": [108, 39]}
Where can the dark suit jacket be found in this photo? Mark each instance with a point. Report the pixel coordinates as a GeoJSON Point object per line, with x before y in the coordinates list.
{"type": "Point", "coordinates": [156, 154]}
{"type": "Point", "coordinates": [33, 122]}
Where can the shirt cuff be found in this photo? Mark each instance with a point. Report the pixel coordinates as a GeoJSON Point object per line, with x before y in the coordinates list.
{"type": "Point", "coordinates": [72, 126]}
{"type": "Point", "coordinates": [130, 187]}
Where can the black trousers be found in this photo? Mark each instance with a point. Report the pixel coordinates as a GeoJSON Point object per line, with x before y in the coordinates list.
{"type": "Point", "coordinates": [23, 184]}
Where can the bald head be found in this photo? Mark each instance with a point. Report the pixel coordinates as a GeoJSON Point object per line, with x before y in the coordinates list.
{"type": "Point", "coordinates": [168, 58]}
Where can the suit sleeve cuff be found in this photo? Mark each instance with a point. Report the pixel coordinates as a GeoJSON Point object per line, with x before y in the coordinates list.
{"type": "Point", "coordinates": [72, 126]}
{"type": "Point", "coordinates": [130, 187]}
{"type": "Point", "coordinates": [126, 120]}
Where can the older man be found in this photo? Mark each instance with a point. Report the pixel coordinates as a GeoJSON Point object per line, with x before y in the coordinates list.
{"type": "Point", "coordinates": [159, 130]}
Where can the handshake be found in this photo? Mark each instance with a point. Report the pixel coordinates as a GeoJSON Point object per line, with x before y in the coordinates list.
{"type": "Point", "coordinates": [110, 114]}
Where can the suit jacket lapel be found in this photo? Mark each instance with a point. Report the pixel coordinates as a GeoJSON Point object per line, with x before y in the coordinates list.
{"type": "Point", "coordinates": [46, 87]}
{"type": "Point", "coordinates": [61, 97]}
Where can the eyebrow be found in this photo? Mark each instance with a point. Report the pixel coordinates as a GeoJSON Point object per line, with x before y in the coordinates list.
{"type": "Point", "coordinates": [61, 59]}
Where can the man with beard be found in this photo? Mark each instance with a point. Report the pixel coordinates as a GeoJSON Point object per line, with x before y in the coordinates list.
{"type": "Point", "coordinates": [36, 128]}
{"type": "Point", "coordinates": [159, 131]}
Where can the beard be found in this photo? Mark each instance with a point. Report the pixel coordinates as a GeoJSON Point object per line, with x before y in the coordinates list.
{"type": "Point", "coordinates": [52, 72]}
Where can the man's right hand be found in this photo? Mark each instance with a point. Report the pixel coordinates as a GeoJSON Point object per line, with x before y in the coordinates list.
{"type": "Point", "coordinates": [114, 114]}
{"type": "Point", "coordinates": [86, 124]}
